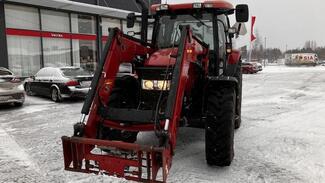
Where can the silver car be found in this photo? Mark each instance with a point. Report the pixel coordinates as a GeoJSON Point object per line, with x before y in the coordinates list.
{"type": "Point", "coordinates": [11, 88]}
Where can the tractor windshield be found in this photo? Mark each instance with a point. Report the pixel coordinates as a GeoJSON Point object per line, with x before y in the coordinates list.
{"type": "Point", "coordinates": [169, 32]}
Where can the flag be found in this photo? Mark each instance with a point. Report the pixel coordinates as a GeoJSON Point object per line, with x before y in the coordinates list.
{"type": "Point", "coordinates": [253, 37]}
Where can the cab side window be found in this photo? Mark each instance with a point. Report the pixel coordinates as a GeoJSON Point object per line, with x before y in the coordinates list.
{"type": "Point", "coordinates": [222, 25]}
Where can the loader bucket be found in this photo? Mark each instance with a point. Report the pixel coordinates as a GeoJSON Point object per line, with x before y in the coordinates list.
{"type": "Point", "coordinates": [128, 160]}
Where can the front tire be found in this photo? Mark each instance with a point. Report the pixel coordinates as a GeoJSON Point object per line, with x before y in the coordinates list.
{"type": "Point", "coordinates": [219, 131]}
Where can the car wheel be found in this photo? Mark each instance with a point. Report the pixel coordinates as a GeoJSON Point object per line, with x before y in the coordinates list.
{"type": "Point", "coordinates": [28, 90]}
{"type": "Point", "coordinates": [55, 95]}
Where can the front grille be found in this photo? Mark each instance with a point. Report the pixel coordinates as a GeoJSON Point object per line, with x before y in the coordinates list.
{"type": "Point", "coordinates": [154, 73]}
{"type": "Point", "coordinates": [18, 96]}
{"type": "Point", "coordinates": [149, 98]}
{"type": "Point", "coordinates": [5, 98]}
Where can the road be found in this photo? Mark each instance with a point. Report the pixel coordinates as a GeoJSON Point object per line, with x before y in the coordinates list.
{"type": "Point", "coordinates": [282, 137]}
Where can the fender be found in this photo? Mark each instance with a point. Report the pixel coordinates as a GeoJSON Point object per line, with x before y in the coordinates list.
{"type": "Point", "coordinates": [234, 61]}
{"type": "Point", "coordinates": [234, 57]}
{"type": "Point", "coordinates": [56, 86]}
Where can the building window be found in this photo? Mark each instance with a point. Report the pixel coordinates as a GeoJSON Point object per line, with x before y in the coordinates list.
{"type": "Point", "coordinates": [136, 29]}
{"type": "Point", "coordinates": [55, 21]}
{"type": "Point", "coordinates": [109, 23]}
{"type": "Point", "coordinates": [57, 52]}
{"type": "Point", "coordinates": [24, 54]}
{"type": "Point", "coordinates": [83, 24]}
{"type": "Point", "coordinates": [21, 17]}
{"type": "Point", "coordinates": [84, 54]}
{"type": "Point", "coordinates": [149, 33]}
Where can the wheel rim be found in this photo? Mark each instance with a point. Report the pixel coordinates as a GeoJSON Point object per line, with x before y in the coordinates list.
{"type": "Point", "coordinates": [54, 95]}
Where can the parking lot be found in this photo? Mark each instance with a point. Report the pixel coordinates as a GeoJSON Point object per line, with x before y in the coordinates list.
{"type": "Point", "coordinates": [282, 137]}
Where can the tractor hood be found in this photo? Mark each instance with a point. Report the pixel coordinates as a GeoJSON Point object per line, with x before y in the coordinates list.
{"type": "Point", "coordinates": [162, 57]}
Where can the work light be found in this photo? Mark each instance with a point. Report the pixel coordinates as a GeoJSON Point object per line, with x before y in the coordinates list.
{"type": "Point", "coordinates": [155, 84]}
{"type": "Point", "coordinates": [197, 5]}
{"type": "Point", "coordinates": [162, 7]}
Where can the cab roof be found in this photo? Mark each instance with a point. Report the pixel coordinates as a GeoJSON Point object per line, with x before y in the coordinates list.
{"type": "Point", "coordinates": [211, 4]}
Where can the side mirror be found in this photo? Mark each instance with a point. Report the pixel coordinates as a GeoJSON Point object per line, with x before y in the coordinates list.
{"type": "Point", "coordinates": [130, 20]}
{"type": "Point", "coordinates": [242, 13]}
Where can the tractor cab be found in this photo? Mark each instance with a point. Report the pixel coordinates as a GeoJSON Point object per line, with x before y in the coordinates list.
{"type": "Point", "coordinates": [208, 21]}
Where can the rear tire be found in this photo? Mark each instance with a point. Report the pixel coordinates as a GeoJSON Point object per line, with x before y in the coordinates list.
{"type": "Point", "coordinates": [55, 95]}
{"type": "Point", "coordinates": [219, 131]}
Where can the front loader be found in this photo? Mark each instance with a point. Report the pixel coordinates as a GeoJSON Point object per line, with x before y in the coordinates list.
{"type": "Point", "coordinates": [186, 74]}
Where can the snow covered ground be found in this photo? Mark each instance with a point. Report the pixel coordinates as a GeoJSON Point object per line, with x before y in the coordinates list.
{"type": "Point", "coordinates": [282, 138]}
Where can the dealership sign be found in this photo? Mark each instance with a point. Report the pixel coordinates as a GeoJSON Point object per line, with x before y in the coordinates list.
{"type": "Point", "coordinates": [60, 35]}
{"type": "Point", "coordinates": [56, 35]}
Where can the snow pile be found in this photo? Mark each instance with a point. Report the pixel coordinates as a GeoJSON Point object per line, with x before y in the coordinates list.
{"type": "Point", "coordinates": [282, 138]}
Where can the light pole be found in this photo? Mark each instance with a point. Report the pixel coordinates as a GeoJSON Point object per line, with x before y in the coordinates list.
{"type": "Point", "coordinates": [265, 51]}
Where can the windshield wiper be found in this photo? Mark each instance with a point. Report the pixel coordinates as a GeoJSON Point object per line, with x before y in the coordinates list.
{"type": "Point", "coordinates": [200, 21]}
{"type": "Point", "coordinates": [168, 46]}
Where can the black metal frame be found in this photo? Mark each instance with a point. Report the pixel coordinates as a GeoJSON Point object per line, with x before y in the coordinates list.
{"type": "Point", "coordinates": [3, 39]}
{"type": "Point", "coordinates": [94, 82]}
{"type": "Point", "coordinates": [127, 115]}
{"type": "Point", "coordinates": [176, 75]}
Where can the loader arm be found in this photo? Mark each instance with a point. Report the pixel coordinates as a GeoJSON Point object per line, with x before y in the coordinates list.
{"type": "Point", "coordinates": [119, 49]}
{"type": "Point", "coordinates": [137, 162]}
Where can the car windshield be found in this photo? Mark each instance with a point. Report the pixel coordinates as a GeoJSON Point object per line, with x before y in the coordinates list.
{"type": "Point", "coordinates": [169, 32]}
{"type": "Point", "coordinates": [75, 72]}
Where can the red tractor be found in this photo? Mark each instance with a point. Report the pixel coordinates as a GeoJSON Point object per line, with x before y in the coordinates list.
{"type": "Point", "coordinates": [186, 75]}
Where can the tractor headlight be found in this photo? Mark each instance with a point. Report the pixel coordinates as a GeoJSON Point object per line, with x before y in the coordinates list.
{"type": "Point", "coordinates": [155, 84]}
{"type": "Point", "coordinates": [147, 84]}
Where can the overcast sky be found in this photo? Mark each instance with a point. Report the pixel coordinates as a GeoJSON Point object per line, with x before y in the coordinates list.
{"type": "Point", "coordinates": [285, 22]}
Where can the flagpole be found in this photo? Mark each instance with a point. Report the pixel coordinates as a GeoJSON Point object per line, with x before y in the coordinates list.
{"type": "Point", "coordinates": [252, 38]}
{"type": "Point", "coordinates": [250, 51]}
